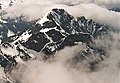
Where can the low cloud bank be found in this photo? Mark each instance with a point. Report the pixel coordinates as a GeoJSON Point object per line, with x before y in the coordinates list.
{"type": "Point", "coordinates": [92, 9]}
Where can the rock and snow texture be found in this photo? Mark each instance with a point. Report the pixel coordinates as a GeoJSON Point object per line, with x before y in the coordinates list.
{"type": "Point", "coordinates": [55, 31]}
{"type": "Point", "coordinates": [51, 34]}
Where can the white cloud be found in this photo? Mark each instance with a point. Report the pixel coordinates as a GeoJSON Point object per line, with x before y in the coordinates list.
{"type": "Point", "coordinates": [92, 9]}
{"type": "Point", "coordinates": [97, 13]}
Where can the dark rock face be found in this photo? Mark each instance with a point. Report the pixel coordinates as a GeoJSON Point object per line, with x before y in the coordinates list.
{"type": "Point", "coordinates": [62, 18]}
{"type": "Point", "coordinates": [36, 42]}
{"type": "Point", "coordinates": [55, 35]}
{"type": "Point", "coordinates": [52, 33]}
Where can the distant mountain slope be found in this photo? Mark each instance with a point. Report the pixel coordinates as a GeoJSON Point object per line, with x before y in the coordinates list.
{"type": "Point", "coordinates": [11, 27]}
{"type": "Point", "coordinates": [116, 9]}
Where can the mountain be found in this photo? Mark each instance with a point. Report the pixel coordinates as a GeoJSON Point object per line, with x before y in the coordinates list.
{"type": "Point", "coordinates": [52, 33]}
{"type": "Point", "coordinates": [59, 29]}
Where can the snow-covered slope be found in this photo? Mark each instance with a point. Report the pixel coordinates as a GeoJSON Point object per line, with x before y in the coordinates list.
{"type": "Point", "coordinates": [8, 26]}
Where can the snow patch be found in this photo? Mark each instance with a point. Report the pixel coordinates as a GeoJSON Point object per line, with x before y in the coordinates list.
{"type": "Point", "coordinates": [9, 51]}
{"type": "Point", "coordinates": [24, 37]}
{"type": "Point", "coordinates": [43, 20]}
{"type": "Point", "coordinates": [47, 29]}
{"type": "Point", "coordinates": [10, 33]}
